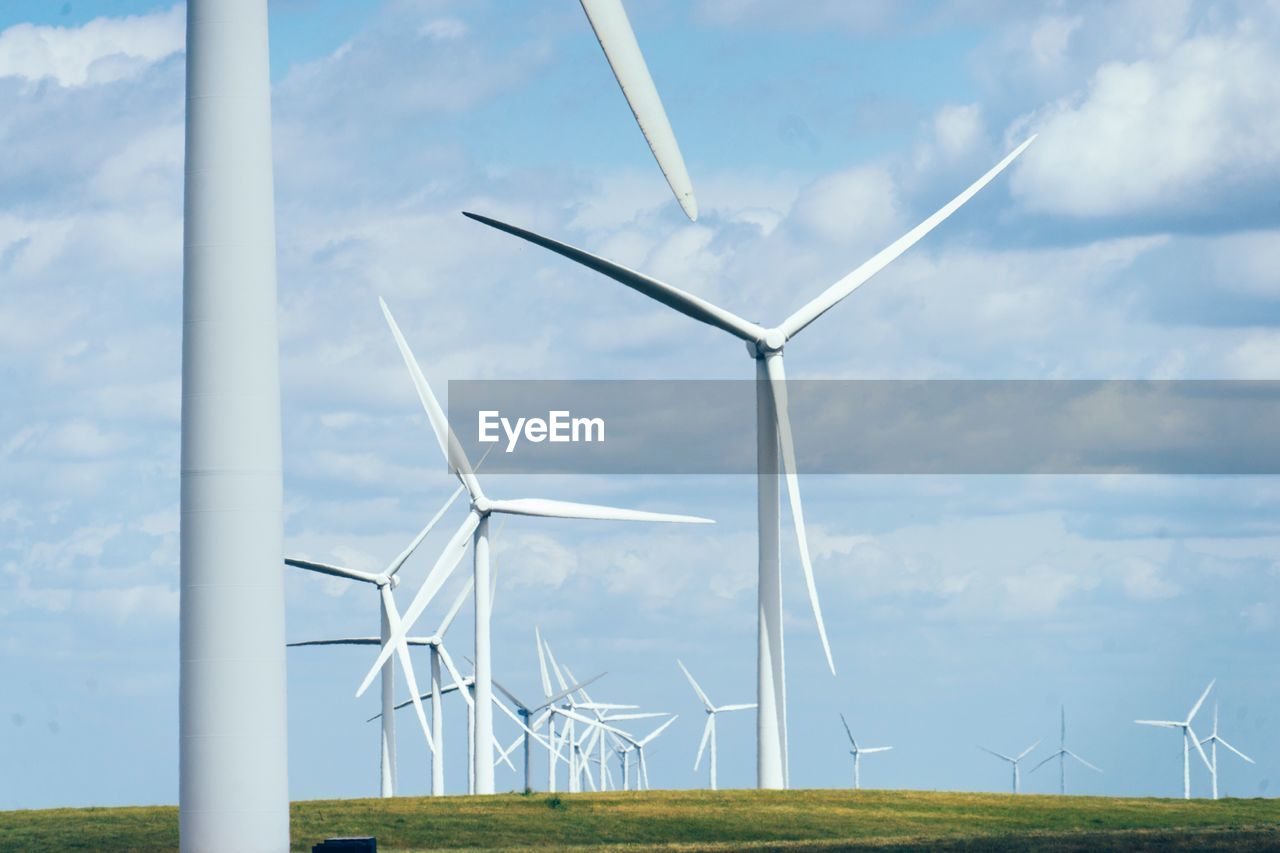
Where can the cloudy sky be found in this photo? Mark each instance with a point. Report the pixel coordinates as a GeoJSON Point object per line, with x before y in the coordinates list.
{"type": "Point", "coordinates": [1134, 240]}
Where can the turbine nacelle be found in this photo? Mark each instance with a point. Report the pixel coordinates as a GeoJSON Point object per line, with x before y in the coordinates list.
{"type": "Point", "coordinates": [770, 341]}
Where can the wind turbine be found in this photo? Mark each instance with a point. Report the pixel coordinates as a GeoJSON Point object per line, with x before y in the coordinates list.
{"type": "Point", "coordinates": [1014, 761]}
{"type": "Point", "coordinates": [858, 751]}
{"type": "Point", "coordinates": [1062, 755]}
{"type": "Point", "coordinates": [526, 713]}
{"type": "Point", "coordinates": [773, 432]}
{"type": "Point", "coordinates": [1188, 739]}
{"type": "Point", "coordinates": [384, 582]}
{"type": "Point", "coordinates": [476, 525]}
{"type": "Point", "coordinates": [639, 744]}
{"type": "Point", "coordinates": [1213, 740]}
{"type": "Point", "coordinates": [709, 730]}
{"type": "Point", "coordinates": [613, 29]}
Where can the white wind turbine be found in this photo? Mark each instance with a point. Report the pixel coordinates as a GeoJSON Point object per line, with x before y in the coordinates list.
{"type": "Point", "coordinates": [1188, 739]}
{"type": "Point", "coordinates": [1014, 761]}
{"type": "Point", "coordinates": [530, 725]}
{"type": "Point", "coordinates": [476, 525]}
{"type": "Point", "coordinates": [639, 744]}
{"type": "Point", "coordinates": [1062, 755]}
{"type": "Point", "coordinates": [1213, 740]}
{"type": "Point", "coordinates": [709, 730]}
{"type": "Point", "coordinates": [385, 581]}
{"type": "Point", "coordinates": [609, 20]}
{"type": "Point", "coordinates": [858, 751]}
{"type": "Point", "coordinates": [773, 432]}
{"type": "Point", "coordinates": [605, 712]}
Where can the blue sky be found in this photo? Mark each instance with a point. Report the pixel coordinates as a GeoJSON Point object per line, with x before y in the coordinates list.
{"type": "Point", "coordinates": [1134, 240]}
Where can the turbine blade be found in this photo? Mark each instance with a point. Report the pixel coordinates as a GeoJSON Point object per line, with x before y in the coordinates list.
{"type": "Point", "coordinates": [875, 749]}
{"type": "Point", "coordinates": [747, 706]}
{"type": "Point", "coordinates": [445, 564]}
{"type": "Point", "coordinates": [694, 685]}
{"type": "Point", "coordinates": [646, 715]}
{"type": "Point", "coordinates": [659, 730]}
{"type": "Point", "coordinates": [447, 660]}
{"type": "Point", "coordinates": [847, 730]}
{"type": "Point", "coordinates": [335, 571]}
{"type": "Point", "coordinates": [404, 555]}
{"type": "Point", "coordinates": [1024, 752]}
{"type": "Point", "coordinates": [574, 689]}
{"type": "Point", "coordinates": [406, 663]}
{"type": "Point", "coordinates": [542, 663]}
{"type": "Point", "coordinates": [618, 40]}
{"type": "Point", "coordinates": [449, 446]}
{"type": "Point", "coordinates": [1195, 740]}
{"type": "Point", "coordinates": [1047, 760]}
{"type": "Point", "coordinates": [455, 607]}
{"type": "Point", "coordinates": [546, 508]}
{"type": "Point", "coordinates": [1082, 761]}
{"type": "Point", "coordinates": [510, 696]}
{"type": "Point", "coordinates": [1167, 724]}
{"type": "Point", "coordinates": [673, 297]}
{"type": "Point", "coordinates": [830, 297]}
{"type": "Point", "coordinates": [1200, 701]}
{"type": "Point", "coordinates": [778, 386]}
{"type": "Point", "coordinates": [706, 737]}
{"type": "Point", "coordinates": [1236, 751]}
{"type": "Point", "coordinates": [346, 641]}
{"type": "Point", "coordinates": [996, 754]}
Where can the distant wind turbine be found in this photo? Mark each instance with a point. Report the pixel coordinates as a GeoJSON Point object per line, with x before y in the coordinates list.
{"type": "Point", "coordinates": [857, 752]}
{"type": "Point", "coordinates": [639, 744]}
{"type": "Point", "coordinates": [476, 526]}
{"type": "Point", "coordinates": [1062, 755]}
{"type": "Point", "coordinates": [773, 433]}
{"type": "Point", "coordinates": [385, 581]}
{"type": "Point", "coordinates": [709, 730]}
{"type": "Point", "coordinates": [1213, 740]}
{"type": "Point", "coordinates": [613, 29]}
{"type": "Point", "coordinates": [1014, 761]}
{"type": "Point", "coordinates": [1188, 739]}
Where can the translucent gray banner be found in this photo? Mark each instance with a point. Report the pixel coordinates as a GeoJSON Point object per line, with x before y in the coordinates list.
{"type": "Point", "coordinates": [873, 427]}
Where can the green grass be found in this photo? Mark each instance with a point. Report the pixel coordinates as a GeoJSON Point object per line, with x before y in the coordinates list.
{"type": "Point", "coordinates": [702, 820]}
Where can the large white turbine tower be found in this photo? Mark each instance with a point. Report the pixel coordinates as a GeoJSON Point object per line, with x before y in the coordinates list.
{"type": "Point", "coordinates": [857, 752]}
{"type": "Point", "coordinates": [1013, 761]}
{"type": "Point", "coordinates": [609, 20]}
{"type": "Point", "coordinates": [1213, 740]}
{"type": "Point", "coordinates": [1188, 739]}
{"type": "Point", "coordinates": [233, 789]}
{"type": "Point", "coordinates": [1062, 755]}
{"type": "Point", "coordinates": [476, 526]}
{"type": "Point", "coordinates": [773, 432]}
{"type": "Point", "coordinates": [709, 730]}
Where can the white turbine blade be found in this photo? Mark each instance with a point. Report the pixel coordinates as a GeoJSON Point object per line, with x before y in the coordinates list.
{"type": "Point", "coordinates": [996, 754]}
{"type": "Point", "coordinates": [404, 555]}
{"type": "Point", "coordinates": [847, 730]}
{"type": "Point", "coordinates": [335, 571]}
{"type": "Point", "coordinates": [645, 715]}
{"type": "Point", "coordinates": [555, 668]}
{"type": "Point", "coordinates": [778, 386]}
{"type": "Point", "coordinates": [439, 573]}
{"type": "Point", "coordinates": [510, 696]}
{"type": "Point", "coordinates": [1200, 701]}
{"type": "Point", "coordinates": [694, 685]}
{"type": "Point", "coordinates": [746, 706]}
{"type": "Point", "coordinates": [851, 282]}
{"type": "Point", "coordinates": [1026, 751]}
{"type": "Point", "coordinates": [659, 730]}
{"type": "Point", "coordinates": [542, 663]}
{"type": "Point", "coordinates": [1195, 740]}
{"type": "Point", "coordinates": [511, 748]}
{"type": "Point", "coordinates": [599, 706]}
{"type": "Point", "coordinates": [449, 446]}
{"type": "Point", "coordinates": [455, 607]}
{"type": "Point", "coordinates": [545, 508]}
{"type": "Point", "coordinates": [1236, 751]}
{"type": "Point", "coordinates": [1167, 724]}
{"type": "Point", "coordinates": [706, 737]}
{"type": "Point", "coordinates": [346, 641]}
{"type": "Point", "coordinates": [673, 297]}
{"type": "Point", "coordinates": [565, 712]}
{"type": "Point", "coordinates": [1050, 758]}
{"type": "Point", "coordinates": [406, 663]}
{"type": "Point", "coordinates": [447, 660]}
{"type": "Point", "coordinates": [1081, 760]}
{"type": "Point", "coordinates": [574, 689]}
{"type": "Point", "coordinates": [613, 30]}
{"type": "Point", "coordinates": [875, 749]}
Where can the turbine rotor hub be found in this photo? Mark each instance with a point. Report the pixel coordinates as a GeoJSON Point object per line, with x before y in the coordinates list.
{"type": "Point", "coordinates": [481, 505]}
{"type": "Point", "coordinates": [773, 340]}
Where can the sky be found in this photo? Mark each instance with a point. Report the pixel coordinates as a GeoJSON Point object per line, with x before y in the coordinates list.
{"type": "Point", "coordinates": [1134, 240]}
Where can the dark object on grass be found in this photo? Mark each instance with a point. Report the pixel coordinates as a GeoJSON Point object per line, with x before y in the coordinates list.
{"type": "Point", "coordinates": [362, 844]}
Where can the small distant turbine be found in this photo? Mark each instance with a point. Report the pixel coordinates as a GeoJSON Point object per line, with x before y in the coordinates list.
{"type": "Point", "coordinates": [709, 730]}
{"type": "Point", "coordinates": [857, 752]}
{"type": "Point", "coordinates": [639, 745]}
{"type": "Point", "coordinates": [1213, 740]}
{"type": "Point", "coordinates": [1188, 740]}
{"type": "Point", "coordinates": [1062, 755]}
{"type": "Point", "coordinates": [609, 20]}
{"type": "Point", "coordinates": [1014, 761]}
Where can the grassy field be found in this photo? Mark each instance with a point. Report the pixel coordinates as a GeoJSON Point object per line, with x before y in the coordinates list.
{"type": "Point", "coordinates": [702, 820]}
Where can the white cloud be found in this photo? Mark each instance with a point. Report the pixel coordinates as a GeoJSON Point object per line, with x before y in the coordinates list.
{"type": "Point", "coordinates": [101, 51]}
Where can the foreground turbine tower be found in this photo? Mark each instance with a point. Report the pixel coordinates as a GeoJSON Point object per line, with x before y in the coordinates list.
{"type": "Point", "coordinates": [233, 789]}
